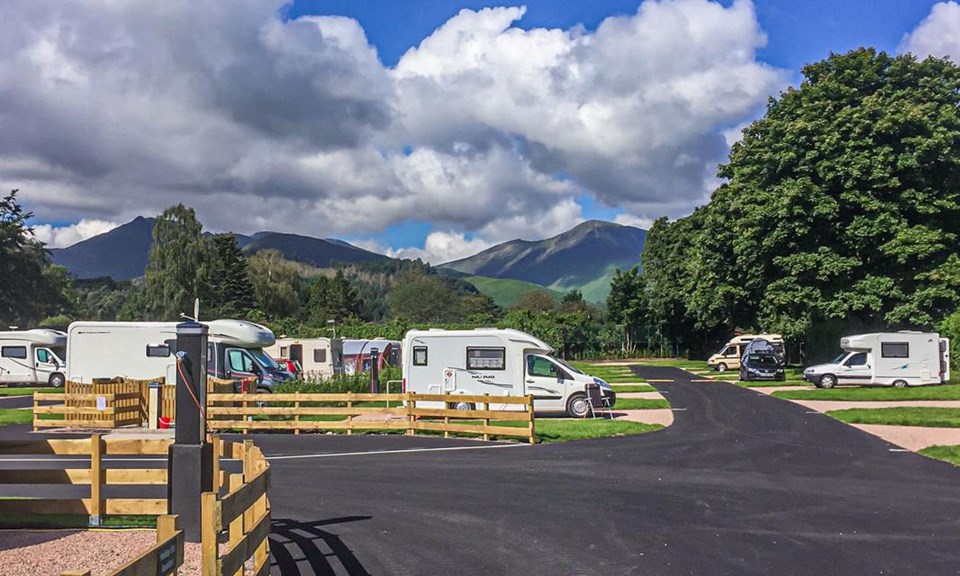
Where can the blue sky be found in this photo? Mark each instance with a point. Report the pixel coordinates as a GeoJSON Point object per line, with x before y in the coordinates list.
{"type": "Point", "coordinates": [407, 127]}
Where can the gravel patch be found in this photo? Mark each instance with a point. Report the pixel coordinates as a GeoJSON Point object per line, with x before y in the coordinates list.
{"type": "Point", "coordinates": [643, 395]}
{"type": "Point", "coordinates": [51, 552]}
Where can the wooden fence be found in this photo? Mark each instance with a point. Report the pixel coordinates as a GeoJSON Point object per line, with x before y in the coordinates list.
{"type": "Point", "coordinates": [353, 412]}
{"type": "Point", "coordinates": [244, 512]}
{"type": "Point", "coordinates": [162, 559]}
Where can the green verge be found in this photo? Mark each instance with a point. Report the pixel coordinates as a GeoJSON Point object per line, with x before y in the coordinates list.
{"type": "Point", "coordinates": [639, 404]}
{"type": "Point", "coordinates": [564, 430]}
{"type": "Point", "coordinates": [945, 392]}
{"type": "Point", "coordinates": [767, 384]}
{"type": "Point", "coordinates": [905, 416]}
{"type": "Point", "coordinates": [949, 454]}
{"type": "Point", "coordinates": [78, 521]}
{"type": "Point", "coordinates": [618, 388]}
{"type": "Point", "coordinates": [10, 416]}
{"type": "Point", "coordinates": [28, 391]}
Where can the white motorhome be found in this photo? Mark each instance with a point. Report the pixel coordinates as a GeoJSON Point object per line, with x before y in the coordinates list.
{"type": "Point", "coordinates": [317, 358]}
{"type": "Point", "coordinates": [495, 362]}
{"type": "Point", "coordinates": [144, 350]}
{"type": "Point", "coordinates": [728, 358]}
{"type": "Point", "coordinates": [896, 359]}
{"type": "Point", "coordinates": [33, 357]}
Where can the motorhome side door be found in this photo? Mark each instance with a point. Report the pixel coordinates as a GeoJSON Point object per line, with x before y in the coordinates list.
{"type": "Point", "coordinates": [546, 382]}
{"type": "Point", "coordinates": [855, 369]}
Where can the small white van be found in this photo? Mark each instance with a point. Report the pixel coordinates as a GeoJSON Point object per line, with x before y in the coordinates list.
{"type": "Point", "coordinates": [33, 357]}
{"type": "Point", "coordinates": [896, 359]}
{"type": "Point", "coordinates": [495, 362]}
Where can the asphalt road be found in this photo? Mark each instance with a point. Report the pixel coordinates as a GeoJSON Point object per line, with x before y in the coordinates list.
{"type": "Point", "coordinates": [742, 483]}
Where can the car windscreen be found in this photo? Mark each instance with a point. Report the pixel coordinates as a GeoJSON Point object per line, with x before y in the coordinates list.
{"type": "Point", "coordinates": [565, 365]}
{"type": "Point", "coordinates": [765, 360]}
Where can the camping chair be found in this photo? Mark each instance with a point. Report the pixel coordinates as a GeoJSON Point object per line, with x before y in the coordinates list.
{"type": "Point", "coordinates": [597, 400]}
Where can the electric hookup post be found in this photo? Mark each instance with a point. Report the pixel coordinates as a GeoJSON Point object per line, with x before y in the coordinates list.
{"type": "Point", "coordinates": [190, 459]}
{"type": "Point", "coordinates": [374, 371]}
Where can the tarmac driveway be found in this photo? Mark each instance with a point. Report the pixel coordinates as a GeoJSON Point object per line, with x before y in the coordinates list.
{"type": "Point", "coordinates": [742, 483]}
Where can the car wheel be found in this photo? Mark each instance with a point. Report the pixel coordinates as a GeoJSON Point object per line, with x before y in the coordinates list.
{"type": "Point", "coordinates": [57, 380]}
{"type": "Point", "coordinates": [827, 381]}
{"type": "Point", "coordinates": [577, 406]}
{"type": "Point", "coordinates": [899, 383]}
{"type": "Point", "coordinates": [721, 367]}
{"type": "Point", "coordinates": [743, 376]}
{"type": "Point", "coordinates": [461, 406]}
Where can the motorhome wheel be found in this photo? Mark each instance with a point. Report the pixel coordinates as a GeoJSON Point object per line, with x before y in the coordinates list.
{"type": "Point", "coordinates": [721, 367]}
{"type": "Point", "coordinates": [461, 405]}
{"type": "Point", "coordinates": [57, 380]}
{"type": "Point", "coordinates": [827, 381]}
{"type": "Point", "coordinates": [263, 391]}
{"type": "Point", "coordinates": [577, 406]}
{"type": "Point", "coordinates": [899, 383]}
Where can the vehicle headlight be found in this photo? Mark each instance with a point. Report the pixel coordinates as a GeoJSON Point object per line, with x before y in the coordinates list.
{"type": "Point", "coordinates": [601, 383]}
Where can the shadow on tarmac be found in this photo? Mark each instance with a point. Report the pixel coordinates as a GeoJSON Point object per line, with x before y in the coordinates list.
{"type": "Point", "coordinates": [296, 548]}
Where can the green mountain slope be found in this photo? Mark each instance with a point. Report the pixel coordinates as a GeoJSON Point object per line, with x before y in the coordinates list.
{"type": "Point", "coordinates": [506, 292]}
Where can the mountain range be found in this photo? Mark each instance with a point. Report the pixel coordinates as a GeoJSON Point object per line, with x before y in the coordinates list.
{"type": "Point", "coordinates": [582, 258]}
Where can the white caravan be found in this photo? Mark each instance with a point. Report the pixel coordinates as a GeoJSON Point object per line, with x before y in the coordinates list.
{"type": "Point", "coordinates": [495, 362]}
{"type": "Point", "coordinates": [896, 359]}
{"type": "Point", "coordinates": [144, 350]}
{"type": "Point", "coordinates": [728, 358]}
{"type": "Point", "coordinates": [33, 357]}
{"type": "Point", "coordinates": [317, 358]}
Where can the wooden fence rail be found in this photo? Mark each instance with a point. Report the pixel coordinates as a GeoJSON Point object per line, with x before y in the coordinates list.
{"type": "Point", "coordinates": [244, 512]}
{"type": "Point", "coordinates": [352, 412]}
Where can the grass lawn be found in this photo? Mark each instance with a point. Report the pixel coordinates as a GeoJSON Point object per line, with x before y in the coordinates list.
{"type": "Point", "coordinates": [11, 416]}
{"type": "Point", "coordinates": [945, 392]}
{"type": "Point", "coordinates": [906, 416]}
{"type": "Point", "coordinates": [618, 388]}
{"type": "Point", "coordinates": [28, 391]}
{"type": "Point", "coordinates": [563, 430]}
{"type": "Point", "coordinates": [611, 374]}
{"type": "Point", "coordinates": [639, 404]}
{"type": "Point", "coordinates": [947, 453]}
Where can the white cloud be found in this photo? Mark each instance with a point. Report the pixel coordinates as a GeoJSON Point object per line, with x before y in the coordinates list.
{"type": "Point", "coordinates": [112, 109]}
{"type": "Point", "coordinates": [440, 247]}
{"type": "Point", "coordinates": [635, 221]}
{"type": "Point", "coordinates": [63, 236]}
{"type": "Point", "coordinates": [938, 35]}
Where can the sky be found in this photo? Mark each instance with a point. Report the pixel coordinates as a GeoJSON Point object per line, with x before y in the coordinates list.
{"type": "Point", "coordinates": [421, 128]}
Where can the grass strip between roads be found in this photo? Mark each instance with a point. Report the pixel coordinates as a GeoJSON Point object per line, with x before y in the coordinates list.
{"type": "Point", "coordinates": [865, 394]}
{"type": "Point", "coordinates": [618, 388]}
{"type": "Point", "coordinates": [767, 384]}
{"type": "Point", "coordinates": [949, 454]}
{"type": "Point", "coordinates": [28, 391]}
{"type": "Point", "coordinates": [78, 521]}
{"type": "Point", "coordinates": [905, 416]}
{"type": "Point", "coordinates": [638, 404]}
{"type": "Point", "coordinates": [10, 416]}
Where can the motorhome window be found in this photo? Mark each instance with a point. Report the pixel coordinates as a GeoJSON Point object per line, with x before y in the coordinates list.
{"type": "Point", "coordinates": [419, 355]}
{"type": "Point", "coordinates": [486, 358]}
{"type": "Point", "coordinates": [158, 350]}
{"type": "Point", "coordinates": [858, 359]}
{"type": "Point", "coordinates": [240, 361]}
{"type": "Point", "coordinates": [283, 351]}
{"type": "Point", "coordinates": [537, 366]}
{"type": "Point", "coordinates": [320, 355]}
{"type": "Point", "coordinates": [43, 355]}
{"type": "Point", "coordinates": [14, 352]}
{"type": "Point", "coordinates": [730, 351]}
{"type": "Point", "coordinates": [895, 349]}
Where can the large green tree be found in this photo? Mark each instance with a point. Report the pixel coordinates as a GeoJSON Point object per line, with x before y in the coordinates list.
{"type": "Point", "coordinates": [176, 270]}
{"type": "Point", "coordinates": [230, 291]}
{"type": "Point", "coordinates": [276, 283]}
{"type": "Point", "coordinates": [420, 297]}
{"type": "Point", "coordinates": [30, 288]}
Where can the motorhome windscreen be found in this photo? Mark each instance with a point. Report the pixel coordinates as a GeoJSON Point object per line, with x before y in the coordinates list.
{"type": "Point", "coordinates": [894, 349]}
{"type": "Point", "coordinates": [567, 366]}
{"type": "Point", "coordinates": [263, 359]}
{"type": "Point", "coordinates": [486, 358]}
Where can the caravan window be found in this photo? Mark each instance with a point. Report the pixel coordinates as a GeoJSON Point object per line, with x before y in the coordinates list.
{"type": "Point", "coordinates": [14, 352]}
{"type": "Point", "coordinates": [894, 349]}
{"type": "Point", "coordinates": [283, 351]}
{"type": "Point", "coordinates": [320, 355]}
{"type": "Point", "coordinates": [419, 355]}
{"type": "Point", "coordinates": [486, 358]}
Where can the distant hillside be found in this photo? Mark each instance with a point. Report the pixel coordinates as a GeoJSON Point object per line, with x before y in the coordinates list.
{"type": "Point", "coordinates": [122, 253]}
{"type": "Point", "coordinates": [504, 291]}
{"type": "Point", "coordinates": [582, 258]}
{"type": "Point", "coordinates": [312, 251]}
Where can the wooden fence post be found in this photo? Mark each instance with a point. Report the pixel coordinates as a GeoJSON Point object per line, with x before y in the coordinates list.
{"type": "Point", "coordinates": [96, 479]}
{"type": "Point", "coordinates": [531, 419]}
{"type": "Point", "coordinates": [411, 413]}
{"type": "Point", "coordinates": [296, 415]}
{"type": "Point", "coordinates": [237, 528]}
{"type": "Point", "coordinates": [166, 526]}
{"type": "Point", "coordinates": [210, 525]}
{"type": "Point", "coordinates": [486, 421]}
{"type": "Point", "coordinates": [217, 447]}
{"type": "Point", "coordinates": [349, 416]}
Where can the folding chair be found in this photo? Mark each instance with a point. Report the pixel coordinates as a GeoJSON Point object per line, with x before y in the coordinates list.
{"type": "Point", "coordinates": [597, 400]}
